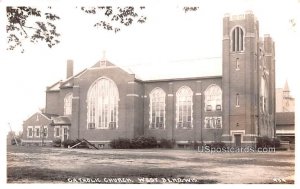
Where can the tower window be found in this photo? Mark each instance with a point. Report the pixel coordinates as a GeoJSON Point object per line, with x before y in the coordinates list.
{"type": "Point", "coordinates": [237, 64]}
{"type": "Point", "coordinates": [237, 100]}
{"type": "Point", "coordinates": [237, 39]}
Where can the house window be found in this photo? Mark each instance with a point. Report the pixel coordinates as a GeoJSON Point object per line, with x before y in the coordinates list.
{"type": "Point", "coordinates": [237, 64]}
{"type": "Point", "coordinates": [237, 39]}
{"type": "Point", "coordinates": [237, 100]}
{"type": "Point", "coordinates": [213, 98]}
{"type": "Point", "coordinates": [184, 107]}
{"type": "Point", "coordinates": [29, 132]}
{"type": "Point", "coordinates": [37, 132]}
{"type": "Point", "coordinates": [213, 122]}
{"type": "Point", "coordinates": [102, 105]}
{"type": "Point", "coordinates": [68, 104]}
{"type": "Point", "coordinates": [157, 108]}
{"type": "Point", "coordinates": [57, 131]}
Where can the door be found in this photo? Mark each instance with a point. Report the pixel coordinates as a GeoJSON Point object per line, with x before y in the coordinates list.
{"type": "Point", "coordinates": [238, 140]}
{"type": "Point", "coordinates": [65, 134]}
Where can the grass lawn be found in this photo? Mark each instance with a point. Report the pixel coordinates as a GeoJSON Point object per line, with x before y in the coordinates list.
{"type": "Point", "coordinates": [59, 165]}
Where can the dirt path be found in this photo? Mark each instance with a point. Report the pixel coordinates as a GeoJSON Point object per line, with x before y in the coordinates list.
{"type": "Point", "coordinates": [52, 165]}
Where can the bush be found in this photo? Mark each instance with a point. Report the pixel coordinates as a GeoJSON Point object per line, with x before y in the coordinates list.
{"type": "Point", "coordinates": [13, 141]}
{"type": "Point", "coordinates": [137, 142]}
{"type": "Point", "coordinates": [68, 142]}
{"type": "Point", "coordinates": [143, 142]}
{"type": "Point", "coordinates": [266, 142]}
{"type": "Point", "coordinates": [120, 143]}
{"type": "Point", "coordinates": [216, 145]}
{"type": "Point", "coordinates": [56, 143]}
{"type": "Point", "coordinates": [165, 143]}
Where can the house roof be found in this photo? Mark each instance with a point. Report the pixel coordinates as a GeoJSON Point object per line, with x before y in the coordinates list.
{"type": "Point", "coordinates": [61, 120]}
{"type": "Point", "coordinates": [285, 118]}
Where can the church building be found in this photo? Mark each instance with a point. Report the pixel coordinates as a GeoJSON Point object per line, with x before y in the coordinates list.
{"type": "Point", "coordinates": [105, 102]}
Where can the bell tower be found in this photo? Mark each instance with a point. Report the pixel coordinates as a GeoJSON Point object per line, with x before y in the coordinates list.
{"type": "Point", "coordinates": [242, 73]}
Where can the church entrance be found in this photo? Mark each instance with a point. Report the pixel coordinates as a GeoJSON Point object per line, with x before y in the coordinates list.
{"type": "Point", "coordinates": [238, 140]}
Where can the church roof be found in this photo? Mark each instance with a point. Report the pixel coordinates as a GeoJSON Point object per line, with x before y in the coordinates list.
{"type": "Point", "coordinates": [210, 67]}
{"type": "Point", "coordinates": [185, 69]}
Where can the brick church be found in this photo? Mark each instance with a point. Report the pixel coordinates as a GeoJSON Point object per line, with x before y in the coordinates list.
{"type": "Point", "coordinates": [106, 102]}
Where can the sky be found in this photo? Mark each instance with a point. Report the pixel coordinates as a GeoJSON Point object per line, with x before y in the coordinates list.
{"type": "Point", "coordinates": [168, 37]}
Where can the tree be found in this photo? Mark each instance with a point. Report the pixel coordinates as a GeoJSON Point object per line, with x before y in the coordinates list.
{"type": "Point", "coordinates": [31, 24]}
{"type": "Point", "coordinates": [27, 23]}
{"type": "Point", "coordinates": [116, 17]}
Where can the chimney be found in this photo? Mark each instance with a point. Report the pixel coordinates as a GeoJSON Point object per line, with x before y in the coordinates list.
{"type": "Point", "coordinates": [69, 68]}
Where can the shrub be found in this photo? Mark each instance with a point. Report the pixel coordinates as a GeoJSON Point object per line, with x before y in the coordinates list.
{"type": "Point", "coordinates": [13, 141]}
{"type": "Point", "coordinates": [266, 142]}
{"type": "Point", "coordinates": [56, 143]}
{"type": "Point", "coordinates": [68, 142]}
{"type": "Point", "coordinates": [165, 143]}
{"type": "Point", "coordinates": [216, 145]}
{"type": "Point", "coordinates": [143, 142]}
{"type": "Point", "coordinates": [120, 143]}
{"type": "Point", "coordinates": [137, 142]}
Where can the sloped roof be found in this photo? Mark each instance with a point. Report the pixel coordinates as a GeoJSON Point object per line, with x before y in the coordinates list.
{"type": "Point", "coordinates": [208, 67]}
{"type": "Point", "coordinates": [285, 118]}
{"type": "Point", "coordinates": [61, 120]}
{"type": "Point", "coordinates": [49, 116]}
{"type": "Point", "coordinates": [180, 69]}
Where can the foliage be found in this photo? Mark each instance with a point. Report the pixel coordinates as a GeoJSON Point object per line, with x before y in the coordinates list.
{"type": "Point", "coordinates": [143, 142]}
{"type": "Point", "coordinates": [120, 143]}
{"type": "Point", "coordinates": [190, 9]}
{"type": "Point", "coordinates": [137, 142]}
{"type": "Point", "coordinates": [68, 143]}
{"type": "Point", "coordinates": [13, 141]}
{"type": "Point", "coordinates": [266, 142]}
{"type": "Point", "coordinates": [216, 145]}
{"type": "Point", "coordinates": [56, 143]}
{"type": "Point", "coordinates": [116, 17]}
{"type": "Point", "coordinates": [165, 143]}
{"type": "Point", "coordinates": [28, 23]}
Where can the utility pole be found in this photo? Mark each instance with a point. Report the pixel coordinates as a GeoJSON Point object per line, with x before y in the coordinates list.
{"type": "Point", "coordinates": [13, 134]}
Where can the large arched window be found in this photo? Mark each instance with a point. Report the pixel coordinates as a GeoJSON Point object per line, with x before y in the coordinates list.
{"type": "Point", "coordinates": [237, 39]}
{"type": "Point", "coordinates": [157, 108]}
{"type": "Point", "coordinates": [184, 107]}
{"type": "Point", "coordinates": [213, 98]}
{"type": "Point", "coordinates": [68, 104]}
{"type": "Point", "coordinates": [102, 105]}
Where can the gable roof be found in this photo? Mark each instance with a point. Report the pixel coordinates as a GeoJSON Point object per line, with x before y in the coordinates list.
{"type": "Point", "coordinates": [186, 69]}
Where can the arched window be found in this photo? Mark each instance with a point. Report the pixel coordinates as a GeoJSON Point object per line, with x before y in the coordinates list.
{"type": "Point", "coordinates": [237, 100]}
{"type": "Point", "coordinates": [68, 104]}
{"type": "Point", "coordinates": [157, 108]}
{"type": "Point", "coordinates": [184, 107]}
{"type": "Point", "coordinates": [213, 98]}
{"type": "Point", "coordinates": [102, 105]}
{"type": "Point", "coordinates": [237, 39]}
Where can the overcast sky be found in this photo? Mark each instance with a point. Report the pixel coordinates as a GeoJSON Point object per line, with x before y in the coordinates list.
{"type": "Point", "coordinates": [169, 36]}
